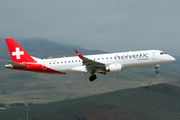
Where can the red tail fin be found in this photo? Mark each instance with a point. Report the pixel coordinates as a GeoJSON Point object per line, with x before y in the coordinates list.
{"type": "Point", "coordinates": [18, 54]}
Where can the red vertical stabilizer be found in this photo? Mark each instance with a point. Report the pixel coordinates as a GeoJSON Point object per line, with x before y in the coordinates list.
{"type": "Point", "coordinates": [17, 53]}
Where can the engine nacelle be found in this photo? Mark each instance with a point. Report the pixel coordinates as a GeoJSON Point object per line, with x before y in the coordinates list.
{"type": "Point", "coordinates": [114, 68]}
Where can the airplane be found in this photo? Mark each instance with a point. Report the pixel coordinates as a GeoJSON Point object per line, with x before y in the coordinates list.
{"type": "Point", "coordinates": [107, 64]}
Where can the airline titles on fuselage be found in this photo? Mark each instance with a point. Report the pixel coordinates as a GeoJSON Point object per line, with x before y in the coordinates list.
{"type": "Point", "coordinates": [138, 56]}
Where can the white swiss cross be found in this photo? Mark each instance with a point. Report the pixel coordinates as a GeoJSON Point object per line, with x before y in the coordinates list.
{"type": "Point", "coordinates": [17, 53]}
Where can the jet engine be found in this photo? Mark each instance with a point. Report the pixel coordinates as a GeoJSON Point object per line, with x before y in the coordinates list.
{"type": "Point", "coordinates": [114, 68]}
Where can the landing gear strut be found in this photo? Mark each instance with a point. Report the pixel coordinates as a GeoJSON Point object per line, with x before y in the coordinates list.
{"type": "Point", "coordinates": [92, 77]}
{"type": "Point", "coordinates": [157, 71]}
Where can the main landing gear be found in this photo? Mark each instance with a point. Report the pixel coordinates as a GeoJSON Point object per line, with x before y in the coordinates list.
{"type": "Point", "coordinates": [156, 66]}
{"type": "Point", "coordinates": [92, 77]}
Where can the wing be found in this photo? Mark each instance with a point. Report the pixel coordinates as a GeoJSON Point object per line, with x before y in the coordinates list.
{"type": "Point", "coordinates": [91, 65]}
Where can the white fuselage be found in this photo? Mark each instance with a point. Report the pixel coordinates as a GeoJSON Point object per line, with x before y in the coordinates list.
{"type": "Point", "coordinates": [126, 59]}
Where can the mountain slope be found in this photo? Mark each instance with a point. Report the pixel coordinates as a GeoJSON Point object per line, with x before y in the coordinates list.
{"type": "Point", "coordinates": [21, 86]}
{"type": "Point", "coordinates": [159, 101]}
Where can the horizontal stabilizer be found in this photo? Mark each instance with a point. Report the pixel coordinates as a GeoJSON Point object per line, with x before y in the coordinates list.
{"type": "Point", "coordinates": [15, 64]}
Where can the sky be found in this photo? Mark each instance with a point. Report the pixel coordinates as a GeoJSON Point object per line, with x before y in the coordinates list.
{"type": "Point", "coordinates": [108, 25]}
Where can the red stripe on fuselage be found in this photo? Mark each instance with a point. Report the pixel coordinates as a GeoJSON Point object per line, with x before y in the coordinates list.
{"type": "Point", "coordinates": [36, 67]}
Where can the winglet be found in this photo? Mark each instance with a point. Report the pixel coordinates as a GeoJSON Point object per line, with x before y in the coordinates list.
{"type": "Point", "coordinates": [79, 55]}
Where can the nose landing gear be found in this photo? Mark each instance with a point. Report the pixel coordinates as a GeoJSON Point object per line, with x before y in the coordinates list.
{"type": "Point", "coordinates": [157, 71]}
{"type": "Point", "coordinates": [156, 67]}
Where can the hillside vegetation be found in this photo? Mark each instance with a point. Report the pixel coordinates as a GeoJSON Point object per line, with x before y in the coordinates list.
{"type": "Point", "coordinates": [19, 86]}
{"type": "Point", "coordinates": [155, 102]}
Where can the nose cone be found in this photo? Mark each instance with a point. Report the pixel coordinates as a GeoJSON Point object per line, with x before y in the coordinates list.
{"type": "Point", "coordinates": [172, 59]}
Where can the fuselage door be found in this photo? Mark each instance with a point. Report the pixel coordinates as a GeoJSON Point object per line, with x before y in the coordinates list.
{"type": "Point", "coordinates": [44, 65]}
{"type": "Point", "coordinates": [154, 56]}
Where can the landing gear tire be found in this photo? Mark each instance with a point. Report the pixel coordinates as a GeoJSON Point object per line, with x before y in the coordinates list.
{"type": "Point", "coordinates": [157, 71]}
{"type": "Point", "coordinates": [92, 78]}
{"type": "Point", "coordinates": [156, 67]}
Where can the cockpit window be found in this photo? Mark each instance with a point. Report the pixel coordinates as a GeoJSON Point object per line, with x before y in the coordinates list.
{"type": "Point", "coordinates": [162, 53]}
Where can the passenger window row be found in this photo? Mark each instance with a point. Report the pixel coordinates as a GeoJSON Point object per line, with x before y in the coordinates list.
{"type": "Point", "coordinates": [64, 62]}
{"type": "Point", "coordinates": [79, 60]}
